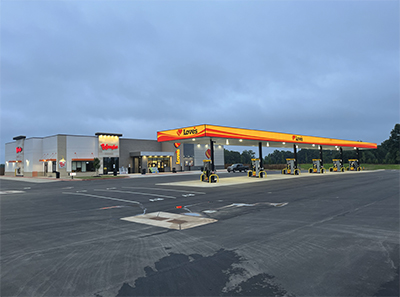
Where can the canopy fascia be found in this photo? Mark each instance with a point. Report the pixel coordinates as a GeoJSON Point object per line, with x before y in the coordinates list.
{"type": "Point", "coordinates": [201, 134]}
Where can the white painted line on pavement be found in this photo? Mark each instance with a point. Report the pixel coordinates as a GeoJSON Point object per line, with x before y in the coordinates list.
{"type": "Point", "coordinates": [138, 193]}
{"type": "Point", "coordinates": [102, 197]}
{"type": "Point", "coordinates": [162, 189]}
{"type": "Point", "coordinates": [11, 192]}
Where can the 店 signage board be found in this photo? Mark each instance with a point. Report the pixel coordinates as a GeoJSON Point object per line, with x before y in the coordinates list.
{"type": "Point", "coordinates": [105, 146]}
{"type": "Point", "coordinates": [62, 163]}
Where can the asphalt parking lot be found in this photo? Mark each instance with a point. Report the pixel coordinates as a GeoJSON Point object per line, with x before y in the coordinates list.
{"type": "Point", "coordinates": [330, 235]}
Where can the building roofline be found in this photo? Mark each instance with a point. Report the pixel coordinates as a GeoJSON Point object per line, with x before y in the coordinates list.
{"type": "Point", "coordinates": [108, 134]}
{"type": "Point", "coordinates": [19, 137]}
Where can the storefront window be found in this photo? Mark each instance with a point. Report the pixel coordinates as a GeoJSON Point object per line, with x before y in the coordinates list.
{"type": "Point", "coordinates": [82, 166]}
{"type": "Point", "coordinates": [159, 163]}
{"type": "Point", "coordinates": [109, 164]}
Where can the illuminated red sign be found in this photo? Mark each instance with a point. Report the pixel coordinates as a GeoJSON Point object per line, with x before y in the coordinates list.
{"type": "Point", "coordinates": [177, 144]}
{"type": "Point", "coordinates": [186, 131]}
{"type": "Point", "coordinates": [107, 146]}
{"type": "Point", "coordinates": [297, 138]}
{"type": "Point", "coordinates": [19, 149]}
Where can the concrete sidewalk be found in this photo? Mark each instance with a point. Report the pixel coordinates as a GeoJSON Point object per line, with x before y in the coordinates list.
{"type": "Point", "coordinates": [237, 180]}
{"type": "Point", "coordinates": [32, 179]}
{"type": "Point", "coordinates": [44, 179]}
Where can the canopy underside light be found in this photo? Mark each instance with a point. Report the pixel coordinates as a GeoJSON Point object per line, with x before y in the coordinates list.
{"type": "Point", "coordinates": [202, 134]}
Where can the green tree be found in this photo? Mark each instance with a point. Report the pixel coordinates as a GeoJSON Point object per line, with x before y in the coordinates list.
{"type": "Point", "coordinates": [231, 157]}
{"type": "Point", "coordinates": [392, 146]}
{"type": "Point", "coordinates": [96, 165]}
{"type": "Point", "coordinates": [247, 155]}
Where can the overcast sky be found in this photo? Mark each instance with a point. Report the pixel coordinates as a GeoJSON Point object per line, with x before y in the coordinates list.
{"type": "Point", "coordinates": [321, 68]}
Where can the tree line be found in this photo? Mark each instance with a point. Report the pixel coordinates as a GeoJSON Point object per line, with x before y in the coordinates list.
{"type": "Point", "coordinates": [388, 152]}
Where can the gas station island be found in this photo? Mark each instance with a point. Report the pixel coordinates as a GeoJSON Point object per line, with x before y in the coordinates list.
{"type": "Point", "coordinates": [213, 135]}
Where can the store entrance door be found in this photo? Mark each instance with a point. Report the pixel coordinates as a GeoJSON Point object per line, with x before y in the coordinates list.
{"type": "Point", "coordinates": [136, 167]}
{"type": "Point", "coordinates": [110, 164]}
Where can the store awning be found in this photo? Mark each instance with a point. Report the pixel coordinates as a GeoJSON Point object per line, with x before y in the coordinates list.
{"type": "Point", "coordinates": [202, 134]}
{"type": "Point", "coordinates": [48, 160]}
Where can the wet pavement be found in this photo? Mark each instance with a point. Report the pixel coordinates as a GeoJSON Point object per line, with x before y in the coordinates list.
{"type": "Point", "coordinates": [330, 235]}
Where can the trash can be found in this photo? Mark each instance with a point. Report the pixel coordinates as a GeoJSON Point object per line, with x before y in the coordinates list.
{"type": "Point", "coordinates": [143, 171]}
{"type": "Point", "coordinates": [173, 170]}
{"type": "Point", "coordinates": [57, 174]}
{"type": "Point", "coordinates": [129, 170]}
{"type": "Point", "coordinates": [115, 172]}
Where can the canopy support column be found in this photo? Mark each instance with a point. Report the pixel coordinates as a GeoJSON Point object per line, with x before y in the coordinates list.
{"type": "Point", "coordinates": [358, 157]}
{"type": "Point", "coordinates": [320, 156]}
{"type": "Point", "coordinates": [212, 155]}
{"type": "Point", "coordinates": [295, 155]}
{"type": "Point", "coordinates": [341, 157]}
{"type": "Point", "coordinates": [260, 154]}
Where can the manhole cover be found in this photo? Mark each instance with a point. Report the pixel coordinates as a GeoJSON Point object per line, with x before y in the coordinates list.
{"type": "Point", "coordinates": [158, 218]}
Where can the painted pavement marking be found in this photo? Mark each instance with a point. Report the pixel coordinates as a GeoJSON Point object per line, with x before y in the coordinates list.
{"type": "Point", "coordinates": [138, 193]}
{"type": "Point", "coordinates": [170, 190]}
{"type": "Point", "coordinates": [11, 192]}
{"type": "Point", "coordinates": [102, 197]}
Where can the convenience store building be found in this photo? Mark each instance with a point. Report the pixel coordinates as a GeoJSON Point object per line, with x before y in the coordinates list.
{"type": "Point", "coordinates": [43, 156]}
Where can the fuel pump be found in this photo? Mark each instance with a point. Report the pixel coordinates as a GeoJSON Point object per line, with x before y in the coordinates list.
{"type": "Point", "coordinates": [208, 175]}
{"type": "Point", "coordinates": [317, 167]}
{"type": "Point", "coordinates": [354, 165]}
{"type": "Point", "coordinates": [290, 167]}
{"type": "Point", "coordinates": [337, 166]}
{"type": "Point", "coordinates": [256, 169]}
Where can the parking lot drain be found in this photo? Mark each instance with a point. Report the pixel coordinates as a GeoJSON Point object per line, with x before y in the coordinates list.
{"type": "Point", "coordinates": [170, 220]}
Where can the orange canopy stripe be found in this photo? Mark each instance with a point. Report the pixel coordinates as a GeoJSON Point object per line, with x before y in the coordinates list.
{"type": "Point", "coordinates": [213, 131]}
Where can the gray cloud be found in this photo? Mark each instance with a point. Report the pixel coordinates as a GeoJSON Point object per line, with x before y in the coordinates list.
{"type": "Point", "coordinates": [321, 68]}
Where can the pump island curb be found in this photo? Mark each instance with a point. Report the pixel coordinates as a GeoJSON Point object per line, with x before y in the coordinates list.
{"type": "Point", "coordinates": [212, 135]}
